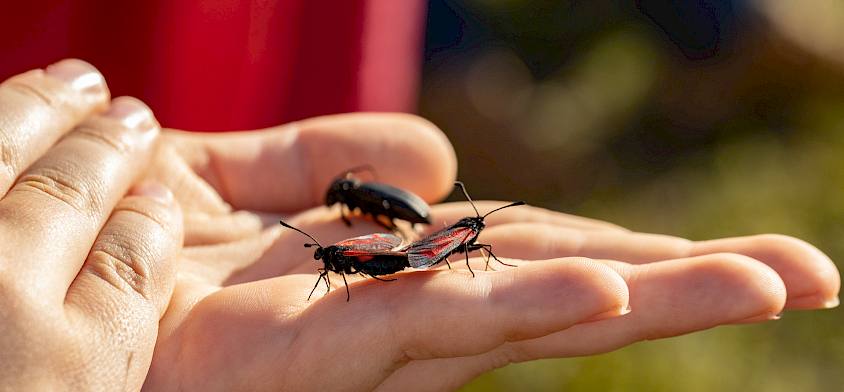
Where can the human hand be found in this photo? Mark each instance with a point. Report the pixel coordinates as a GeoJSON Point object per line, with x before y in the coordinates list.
{"type": "Point", "coordinates": [240, 319]}
{"type": "Point", "coordinates": [85, 272]}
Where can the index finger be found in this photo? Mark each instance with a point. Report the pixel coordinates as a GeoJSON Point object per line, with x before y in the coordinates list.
{"type": "Point", "coordinates": [288, 168]}
{"type": "Point", "coordinates": [811, 278]}
{"type": "Point", "coordinates": [39, 106]}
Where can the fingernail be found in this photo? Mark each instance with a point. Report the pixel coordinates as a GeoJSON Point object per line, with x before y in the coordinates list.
{"type": "Point", "coordinates": [80, 75]}
{"type": "Point", "coordinates": [153, 190]}
{"type": "Point", "coordinates": [610, 314]}
{"type": "Point", "coordinates": [813, 301]}
{"type": "Point", "coordinates": [760, 318]}
{"type": "Point", "coordinates": [131, 112]}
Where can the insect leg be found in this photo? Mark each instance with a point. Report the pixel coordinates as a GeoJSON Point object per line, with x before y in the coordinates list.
{"type": "Point", "coordinates": [382, 279]}
{"type": "Point", "coordinates": [447, 263]}
{"type": "Point", "coordinates": [485, 252]}
{"type": "Point", "coordinates": [466, 252]}
{"type": "Point", "coordinates": [344, 217]}
{"type": "Point", "coordinates": [327, 282]}
{"type": "Point", "coordinates": [488, 249]}
{"type": "Point", "coordinates": [322, 276]}
{"type": "Point", "coordinates": [385, 222]}
{"type": "Point", "coordinates": [348, 296]}
{"type": "Point", "coordinates": [486, 260]}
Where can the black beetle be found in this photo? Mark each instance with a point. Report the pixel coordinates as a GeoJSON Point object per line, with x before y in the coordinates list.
{"type": "Point", "coordinates": [383, 202]}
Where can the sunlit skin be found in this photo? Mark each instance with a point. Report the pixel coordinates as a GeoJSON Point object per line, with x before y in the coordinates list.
{"type": "Point", "coordinates": [242, 299]}
{"type": "Point", "coordinates": [85, 272]}
{"type": "Point", "coordinates": [239, 318]}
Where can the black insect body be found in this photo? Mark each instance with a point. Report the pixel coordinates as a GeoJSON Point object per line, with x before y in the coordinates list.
{"type": "Point", "coordinates": [370, 255]}
{"type": "Point", "coordinates": [383, 202]}
{"type": "Point", "coordinates": [460, 237]}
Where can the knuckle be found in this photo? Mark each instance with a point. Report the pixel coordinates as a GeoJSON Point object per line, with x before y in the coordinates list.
{"type": "Point", "coordinates": [105, 135]}
{"type": "Point", "coordinates": [59, 184]}
{"type": "Point", "coordinates": [128, 269]}
{"type": "Point", "coordinates": [509, 353]}
{"type": "Point", "coordinates": [10, 157]}
{"type": "Point", "coordinates": [146, 210]}
{"type": "Point", "coordinates": [33, 88]}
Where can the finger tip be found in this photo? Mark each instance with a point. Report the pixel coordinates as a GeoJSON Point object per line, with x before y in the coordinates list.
{"type": "Point", "coordinates": [133, 113]}
{"type": "Point", "coordinates": [75, 63]}
{"type": "Point", "coordinates": [445, 158]}
{"type": "Point", "coordinates": [749, 288]}
{"type": "Point", "coordinates": [80, 75]}
{"type": "Point", "coordinates": [130, 101]}
{"type": "Point", "coordinates": [155, 201]}
{"type": "Point", "coordinates": [600, 290]}
{"type": "Point", "coordinates": [812, 279]}
{"type": "Point", "coordinates": [824, 278]}
{"type": "Point", "coordinates": [406, 150]}
{"type": "Point", "coordinates": [810, 302]}
{"type": "Point", "coordinates": [437, 161]}
{"type": "Point", "coordinates": [154, 190]}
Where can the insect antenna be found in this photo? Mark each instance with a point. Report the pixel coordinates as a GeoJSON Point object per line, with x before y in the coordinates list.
{"type": "Point", "coordinates": [518, 203]}
{"type": "Point", "coordinates": [308, 235]}
{"type": "Point", "coordinates": [463, 188]}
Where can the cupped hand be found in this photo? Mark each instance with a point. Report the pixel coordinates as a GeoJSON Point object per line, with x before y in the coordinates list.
{"type": "Point", "coordinates": [85, 272]}
{"type": "Point", "coordinates": [240, 319]}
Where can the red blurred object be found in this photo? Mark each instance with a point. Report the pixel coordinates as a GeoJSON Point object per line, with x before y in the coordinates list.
{"type": "Point", "coordinates": [229, 64]}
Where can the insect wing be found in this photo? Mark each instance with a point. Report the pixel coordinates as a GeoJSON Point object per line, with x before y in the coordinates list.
{"type": "Point", "coordinates": [369, 245]}
{"type": "Point", "coordinates": [437, 246]}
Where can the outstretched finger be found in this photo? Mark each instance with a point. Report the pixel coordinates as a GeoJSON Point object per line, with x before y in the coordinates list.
{"type": "Point", "coordinates": [810, 276]}
{"type": "Point", "coordinates": [667, 299]}
{"type": "Point", "coordinates": [288, 168]}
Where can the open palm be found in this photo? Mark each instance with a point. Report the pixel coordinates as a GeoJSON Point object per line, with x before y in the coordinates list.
{"type": "Point", "coordinates": [240, 320]}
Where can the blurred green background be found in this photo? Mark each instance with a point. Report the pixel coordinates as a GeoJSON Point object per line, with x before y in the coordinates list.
{"type": "Point", "coordinates": [702, 119]}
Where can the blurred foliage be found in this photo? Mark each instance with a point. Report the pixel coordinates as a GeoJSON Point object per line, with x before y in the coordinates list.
{"type": "Point", "coordinates": [725, 119]}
